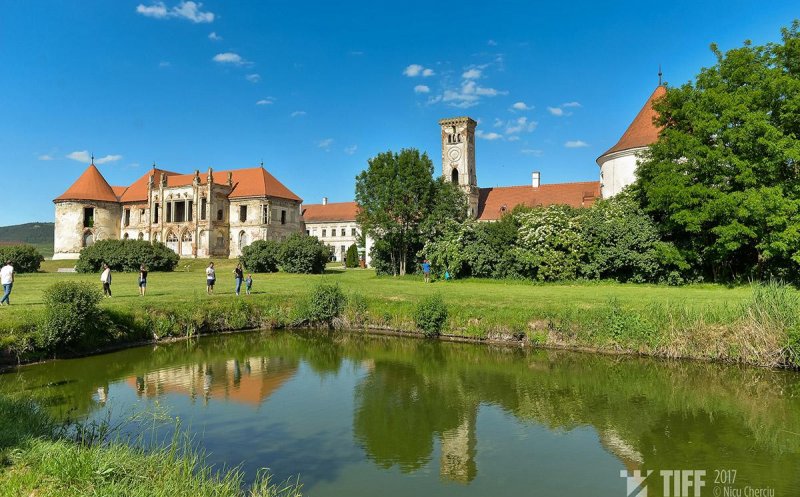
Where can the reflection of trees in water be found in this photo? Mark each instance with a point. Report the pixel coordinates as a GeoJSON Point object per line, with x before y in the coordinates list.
{"type": "Point", "coordinates": [649, 413]}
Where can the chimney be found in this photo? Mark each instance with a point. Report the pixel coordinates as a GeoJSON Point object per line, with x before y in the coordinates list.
{"type": "Point", "coordinates": [536, 177]}
{"type": "Point", "coordinates": [324, 200]}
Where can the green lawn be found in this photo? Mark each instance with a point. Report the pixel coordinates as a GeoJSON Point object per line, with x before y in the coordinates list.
{"type": "Point", "coordinates": [709, 321]}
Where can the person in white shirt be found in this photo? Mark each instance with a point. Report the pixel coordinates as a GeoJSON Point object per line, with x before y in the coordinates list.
{"type": "Point", "coordinates": [105, 279]}
{"type": "Point", "coordinates": [211, 278]}
{"type": "Point", "coordinates": [7, 280]}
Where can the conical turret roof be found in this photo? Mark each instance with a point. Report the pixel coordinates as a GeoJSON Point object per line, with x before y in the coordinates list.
{"type": "Point", "coordinates": [90, 186]}
{"type": "Point", "coordinates": [642, 132]}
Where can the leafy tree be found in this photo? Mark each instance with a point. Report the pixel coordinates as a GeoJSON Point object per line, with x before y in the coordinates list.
{"type": "Point", "coordinates": [26, 258]}
{"type": "Point", "coordinates": [261, 256]}
{"type": "Point", "coordinates": [549, 244]}
{"type": "Point", "coordinates": [351, 259]}
{"type": "Point", "coordinates": [126, 255]}
{"type": "Point", "coordinates": [400, 203]}
{"type": "Point", "coordinates": [301, 253]}
{"type": "Point", "coordinates": [723, 181]}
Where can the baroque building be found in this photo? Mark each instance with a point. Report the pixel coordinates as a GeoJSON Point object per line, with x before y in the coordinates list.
{"type": "Point", "coordinates": [214, 214]}
{"type": "Point", "coordinates": [334, 223]}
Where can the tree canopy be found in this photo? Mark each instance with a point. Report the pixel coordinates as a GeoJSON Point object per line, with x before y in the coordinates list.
{"type": "Point", "coordinates": [722, 181]}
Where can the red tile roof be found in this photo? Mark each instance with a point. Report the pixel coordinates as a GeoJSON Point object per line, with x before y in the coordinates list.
{"type": "Point", "coordinates": [642, 132]}
{"type": "Point", "coordinates": [331, 212]}
{"type": "Point", "coordinates": [494, 202]}
{"type": "Point", "coordinates": [251, 182]}
{"type": "Point", "coordinates": [137, 192]}
{"type": "Point", "coordinates": [89, 186]}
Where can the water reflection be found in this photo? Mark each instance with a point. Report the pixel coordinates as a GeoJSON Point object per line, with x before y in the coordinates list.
{"type": "Point", "coordinates": [340, 401]}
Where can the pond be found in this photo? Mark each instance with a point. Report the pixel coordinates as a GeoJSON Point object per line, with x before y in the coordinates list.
{"type": "Point", "coordinates": [358, 415]}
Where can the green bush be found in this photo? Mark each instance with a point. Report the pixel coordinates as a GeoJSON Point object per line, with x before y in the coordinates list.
{"type": "Point", "coordinates": [126, 256]}
{"type": "Point", "coordinates": [26, 258]}
{"type": "Point", "coordinates": [71, 316]}
{"type": "Point", "coordinates": [431, 315]}
{"type": "Point", "coordinates": [326, 303]}
{"type": "Point", "coordinates": [303, 254]}
{"type": "Point", "coordinates": [351, 259]}
{"type": "Point", "coordinates": [261, 256]}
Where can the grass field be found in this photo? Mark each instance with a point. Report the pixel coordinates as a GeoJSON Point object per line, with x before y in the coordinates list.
{"type": "Point", "coordinates": [705, 321]}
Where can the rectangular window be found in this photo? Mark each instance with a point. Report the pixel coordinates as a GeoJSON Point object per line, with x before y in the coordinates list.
{"type": "Point", "coordinates": [283, 217]}
{"type": "Point", "coordinates": [169, 212]}
{"type": "Point", "coordinates": [353, 232]}
{"type": "Point", "coordinates": [265, 215]}
{"type": "Point", "coordinates": [324, 231]}
{"type": "Point", "coordinates": [343, 232]}
{"type": "Point", "coordinates": [203, 207]}
{"type": "Point", "coordinates": [308, 233]}
{"type": "Point", "coordinates": [88, 217]}
{"type": "Point", "coordinates": [180, 212]}
{"type": "Point", "coordinates": [141, 216]}
{"type": "Point", "coordinates": [155, 213]}
{"type": "Point", "coordinates": [220, 215]}
{"type": "Point", "coordinates": [189, 209]}
{"type": "Point", "coordinates": [242, 213]}
{"type": "Point", "coordinates": [127, 217]}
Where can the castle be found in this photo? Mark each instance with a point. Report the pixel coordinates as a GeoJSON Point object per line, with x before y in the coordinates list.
{"type": "Point", "coordinates": [218, 213]}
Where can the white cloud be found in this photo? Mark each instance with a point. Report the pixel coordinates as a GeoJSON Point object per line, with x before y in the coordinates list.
{"type": "Point", "coordinates": [46, 157]}
{"type": "Point", "coordinates": [488, 136]}
{"type": "Point", "coordinates": [422, 89]}
{"type": "Point", "coordinates": [471, 74]}
{"type": "Point", "coordinates": [298, 113]}
{"type": "Point", "coordinates": [164, 63]}
{"type": "Point", "coordinates": [230, 58]}
{"type": "Point", "coordinates": [571, 104]}
{"type": "Point", "coordinates": [415, 70]}
{"type": "Point", "coordinates": [556, 111]}
{"type": "Point", "coordinates": [351, 149]}
{"type": "Point", "coordinates": [491, 43]}
{"type": "Point", "coordinates": [519, 125]}
{"type": "Point", "coordinates": [559, 111]}
{"type": "Point", "coordinates": [214, 36]}
{"type": "Point", "coordinates": [521, 106]}
{"type": "Point", "coordinates": [83, 156]}
{"type": "Point", "coordinates": [185, 10]}
{"type": "Point", "coordinates": [325, 144]}
{"type": "Point", "coordinates": [356, 53]}
{"type": "Point", "coordinates": [513, 138]}
{"type": "Point", "coordinates": [266, 101]}
{"type": "Point", "coordinates": [191, 11]}
{"type": "Point", "coordinates": [576, 144]}
{"type": "Point", "coordinates": [253, 78]}
{"type": "Point", "coordinates": [532, 151]}
{"type": "Point", "coordinates": [157, 10]}
{"type": "Point", "coordinates": [469, 94]}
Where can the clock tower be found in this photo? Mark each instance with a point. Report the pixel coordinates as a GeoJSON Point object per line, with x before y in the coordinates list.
{"type": "Point", "coordinates": [458, 158]}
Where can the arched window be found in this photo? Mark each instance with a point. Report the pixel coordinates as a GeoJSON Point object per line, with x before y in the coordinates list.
{"type": "Point", "coordinates": [187, 236]}
{"type": "Point", "coordinates": [140, 237]}
{"type": "Point", "coordinates": [88, 239]}
{"type": "Point", "coordinates": [454, 176]}
{"type": "Point", "coordinates": [242, 239]}
{"type": "Point", "coordinates": [172, 241]}
{"type": "Point", "coordinates": [125, 236]}
{"type": "Point", "coordinates": [186, 243]}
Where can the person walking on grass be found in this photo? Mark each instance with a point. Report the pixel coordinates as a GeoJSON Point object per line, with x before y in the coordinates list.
{"type": "Point", "coordinates": [426, 270]}
{"type": "Point", "coordinates": [7, 280]}
{"type": "Point", "coordinates": [248, 283]}
{"type": "Point", "coordinates": [211, 278]}
{"type": "Point", "coordinates": [142, 280]}
{"type": "Point", "coordinates": [238, 274]}
{"type": "Point", "coordinates": [105, 279]}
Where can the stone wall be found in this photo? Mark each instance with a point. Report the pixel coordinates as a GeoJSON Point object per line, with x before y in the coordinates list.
{"type": "Point", "coordinates": [70, 230]}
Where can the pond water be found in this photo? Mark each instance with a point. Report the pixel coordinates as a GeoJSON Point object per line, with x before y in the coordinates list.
{"type": "Point", "coordinates": [358, 415]}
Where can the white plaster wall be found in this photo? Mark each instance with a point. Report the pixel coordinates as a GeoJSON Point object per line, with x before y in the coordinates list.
{"type": "Point", "coordinates": [334, 238]}
{"type": "Point", "coordinates": [69, 227]}
{"type": "Point", "coordinates": [255, 229]}
{"type": "Point", "coordinates": [617, 171]}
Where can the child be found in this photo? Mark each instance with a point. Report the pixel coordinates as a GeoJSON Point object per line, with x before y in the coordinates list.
{"type": "Point", "coordinates": [248, 283]}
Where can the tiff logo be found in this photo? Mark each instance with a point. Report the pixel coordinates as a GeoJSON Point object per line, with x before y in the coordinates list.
{"type": "Point", "coordinates": [677, 483]}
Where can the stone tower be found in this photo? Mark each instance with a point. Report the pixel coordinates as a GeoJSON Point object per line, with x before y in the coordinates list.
{"type": "Point", "coordinates": [458, 157]}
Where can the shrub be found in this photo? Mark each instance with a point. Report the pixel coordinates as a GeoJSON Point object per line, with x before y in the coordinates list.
{"type": "Point", "coordinates": [326, 303]}
{"type": "Point", "coordinates": [430, 315]}
{"type": "Point", "coordinates": [261, 256]}
{"type": "Point", "coordinates": [71, 316]}
{"type": "Point", "coordinates": [26, 258]}
{"type": "Point", "coordinates": [126, 256]}
{"type": "Point", "coordinates": [303, 254]}
{"type": "Point", "coordinates": [351, 259]}
{"type": "Point", "coordinates": [356, 311]}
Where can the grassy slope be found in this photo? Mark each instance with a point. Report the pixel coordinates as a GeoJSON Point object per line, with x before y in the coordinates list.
{"type": "Point", "coordinates": [40, 235]}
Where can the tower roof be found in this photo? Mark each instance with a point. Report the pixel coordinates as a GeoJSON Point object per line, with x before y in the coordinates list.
{"type": "Point", "coordinates": [90, 186]}
{"type": "Point", "coordinates": [642, 132]}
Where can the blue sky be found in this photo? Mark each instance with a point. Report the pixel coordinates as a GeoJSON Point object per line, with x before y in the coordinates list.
{"type": "Point", "coordinates": [316, 88]}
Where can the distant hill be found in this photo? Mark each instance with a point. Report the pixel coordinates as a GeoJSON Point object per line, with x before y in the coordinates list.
{"type": "Point", "coordinates": [39, 235]}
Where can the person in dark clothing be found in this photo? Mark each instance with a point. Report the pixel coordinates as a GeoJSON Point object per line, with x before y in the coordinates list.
{"type": "Point", "coordinates": [142, 280]}
{"type": "Point", "coordinates": [238, 274]}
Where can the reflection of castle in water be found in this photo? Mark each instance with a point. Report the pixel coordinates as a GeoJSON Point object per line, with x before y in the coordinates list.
{"type": "Point", "coordinates": [250, 381]}
{"type": "Point", "coordinates": [457, 462]}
